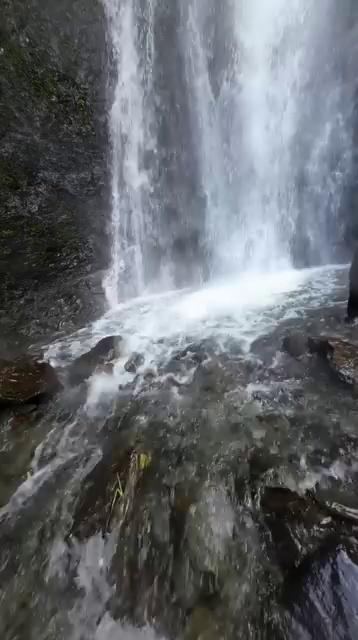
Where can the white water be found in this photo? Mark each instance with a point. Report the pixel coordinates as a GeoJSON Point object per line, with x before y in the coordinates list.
{"type": "Point", "coordinates": [130, 132]}
{"type": "Point", "coordinates": [270, 132]}
{"type": "Point", "coordinates": [277, 121]}
{"type": "Point", "coordinates": [156, 326]}
{"type": "Point", "coordinates": [273, 40]}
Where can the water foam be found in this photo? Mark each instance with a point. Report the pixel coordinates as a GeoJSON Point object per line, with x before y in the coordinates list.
{"type": "Point", "coordinates": [243, 308]}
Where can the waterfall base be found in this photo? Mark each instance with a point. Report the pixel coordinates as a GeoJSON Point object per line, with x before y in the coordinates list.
{"type": "Point", "coordinates": [201, 491]}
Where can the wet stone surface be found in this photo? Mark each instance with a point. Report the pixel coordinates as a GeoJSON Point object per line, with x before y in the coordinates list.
{"type": "Point", "coordinates": [214, 496]}
{"type": "Point", "coordinates": [322, 596]}
{"type": "Point", "coordinates": [101, 354]}
{"type": "Point", "coordinates": [26, 380]}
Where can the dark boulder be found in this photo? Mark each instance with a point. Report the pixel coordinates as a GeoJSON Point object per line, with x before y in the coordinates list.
{"type": "Point", "coordinates": [105, 350]}
{"type": "Point", "coordinates": [297, 525]}
{"type": "Point", "coordinates": [352, 307]}
{"type": "Point", "coordinates": [135, 361]}
{"type": "Point", "coordinates": [321, 596]}
{"type": "Point", "coordinates": [284, 503]}
{"type": "Point", "coordinates": [295, 344]}
{"type": "Point", "coordinates": [26, 380]}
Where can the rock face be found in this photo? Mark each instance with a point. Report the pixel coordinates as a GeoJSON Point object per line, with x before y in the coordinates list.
{"type": "Point", "coordinates": [323, 596]}
{"type": "Point", "coordinates": [53, 174]}
{"type": "Point", "coordinates": [297, 524]}
{"type": "Point", "coordinates": [341, 355]}
{"type": "Point", "coordinates": [352, 308]}
{"type": "Point", "coordinates": [26, 381]}
{"type": "Point", "coordinates": [104, 351]}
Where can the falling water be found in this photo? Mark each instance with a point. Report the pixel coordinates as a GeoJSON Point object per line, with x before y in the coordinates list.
{"type": "Point", "coordinates": [272, 127]}
{"type": "Point", "coordinates": [273, 40]}
{"type": "Point", "coordinates": [244, 107]}
{"type": "Point", "coordinates": [130, 121]}
{"type": "Point", "coordinates": [269, 112]}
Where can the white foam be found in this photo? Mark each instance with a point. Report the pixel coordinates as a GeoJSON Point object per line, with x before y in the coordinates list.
{"type": "Point", "coordinates": [109, 629]}
{"type": "Point", "coordinates": [243, 308]}
{"type": "Point", "coordinates": [251, 290]}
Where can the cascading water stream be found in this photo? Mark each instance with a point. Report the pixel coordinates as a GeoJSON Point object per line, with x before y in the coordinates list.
{"type": "Point", "coordinates": [272, 40]}
{"type": "Point", "coordinates": [270, 132]}
{"type": "Point", "coordinates": [130, 121]}
{"type": "Point", "coordinates": [272, 170]}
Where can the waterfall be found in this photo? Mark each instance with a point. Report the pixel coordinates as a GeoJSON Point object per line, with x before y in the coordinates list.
{"type": "Point", "coordinates": [272, 125]}
{"type": "Point", "coordinates": [231, 137]}
{"type": "Point", "coordinates": [130, 120]}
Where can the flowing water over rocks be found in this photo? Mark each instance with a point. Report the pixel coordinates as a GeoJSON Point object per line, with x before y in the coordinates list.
{"type": "Point", "coordinates": [186, 466]}
{"type": "Point", "coordinates": [205, 489]}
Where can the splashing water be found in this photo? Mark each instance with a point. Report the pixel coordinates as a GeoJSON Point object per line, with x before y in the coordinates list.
{"type": "Point", "coordinates": [272, 129]}
{"type": "Point", "coordinates": [130, 132]}
{"type": "Point", "coordinates": [268, 130]}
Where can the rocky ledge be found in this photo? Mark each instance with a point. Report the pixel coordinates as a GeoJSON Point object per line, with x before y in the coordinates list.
{"type": "Point", "coordinates": [222, 485]}
{"type": "Point", "coordinates": [53, 164]}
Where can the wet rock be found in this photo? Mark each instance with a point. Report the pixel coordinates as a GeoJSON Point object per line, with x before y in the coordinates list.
{"type": "Point", "coordinates": [261, 461]}
{"type": "Point", "coordinates": [295, 344]}
{"type": "Point", "coordinates": [105, 350]}
{"type": "Point", "coordinates": [210, 529]}
{"type": "Point", "coordinates": [111, 483]}
{"type": "Point", "coordinates": [341, 355]}
{"type": "Point", "coordinates": [93, 509]}
{"type": "Point", "coordinates": [135, 361]}
{"type": "Point", "coordinates": [27, 380]}
{"type": "Point", "coordinates": [106, 368]}
{"type": "Point", "coordinates": [194, 352]}
{"type": "Point", "coordinates": [321, 596]}
{"type": "Point", "coordinates": [184, 498]}
{"type": "Point", "coordinates": [182, 362]}
{"type": "Point", "coordinates": [283, 502]}
{"type": "Point", "coordinates": [24, 419]}
{"type": "Point", "coordinates": [202, 624]}
{"type": "Point", "coordinates": [352, 307]}
{"type": "Point", "coordinates": [149, 374]}
{"type": "Point", "coordinates": [53, 172]}
{"type": "Point", "coordinates": [210, 377]}
{"type": "Point", "coordinates": [339, 499]}
{"type": "Point", "coordinates": [148, 553]}
{"type": "Point", "coordinates": [297, 524]}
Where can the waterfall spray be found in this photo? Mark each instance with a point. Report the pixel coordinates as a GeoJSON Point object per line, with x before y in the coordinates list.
{"type": "Point", "coordinates": [129, 131]}
{"type": "Point", "coordinates": [269, 116]}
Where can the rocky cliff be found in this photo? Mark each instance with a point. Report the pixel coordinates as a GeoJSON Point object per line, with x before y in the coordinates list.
{"type": "Point", "coordinates": [53, 165]}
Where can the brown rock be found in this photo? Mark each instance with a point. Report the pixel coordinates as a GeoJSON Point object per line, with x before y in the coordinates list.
{"type": "Point", "coordinates": [341, 355]}
{"type": "Point", "coordinates": [26, 380]}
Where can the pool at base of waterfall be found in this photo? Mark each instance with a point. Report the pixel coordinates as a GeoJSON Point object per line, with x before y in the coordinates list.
{"type": "Point", "coordinates": [198, 481]}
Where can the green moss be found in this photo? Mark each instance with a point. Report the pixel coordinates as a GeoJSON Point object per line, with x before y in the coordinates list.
{"type": "Point", "coordinates": [11, 177]}
{"type": "Point", "coordinates": [45, 84]}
